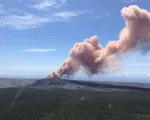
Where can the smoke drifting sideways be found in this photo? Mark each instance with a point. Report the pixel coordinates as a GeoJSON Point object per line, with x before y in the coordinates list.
{"type": "Point", "coordinates": [95, 59]}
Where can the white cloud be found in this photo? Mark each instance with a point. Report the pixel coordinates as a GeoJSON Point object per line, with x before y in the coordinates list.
{"type": "Point", "coordinates": [131, 74]}
{"type": "Point", "coordinates": [25, 21]}
{"type": "Point", "coordinates": [8, 73]}
{"type": "Point", "coordinates": [1, 9]}
{"type": "Point", "coordinates": [38, 50]}
{"type": "Point", "coordinates": [65, 14]}
{"type": "Point", "coordinates": [44, 4]}
{"type": "Point", "coordinates": [1, 5]}
{"type": "Point", "coordinates": [96, 17]}
{"type": "Point", "coordinates": [136, 64]}
{"type": "Point", "coordinates": [22, 20]}
{"type": "Point", "coordinates": [129, 1]}
{"type": "Point", "coordinates": [106, 14]}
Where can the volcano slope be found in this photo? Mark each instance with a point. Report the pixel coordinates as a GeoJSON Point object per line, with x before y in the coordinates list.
{"type": "Point", "coordinates": [50, 102]}
{"type": "Point", "coordinates": [78, 84]}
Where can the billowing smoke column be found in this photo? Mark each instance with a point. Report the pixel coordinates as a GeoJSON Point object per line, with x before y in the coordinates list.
{"type": "Point", "coordinates": [95, 59]}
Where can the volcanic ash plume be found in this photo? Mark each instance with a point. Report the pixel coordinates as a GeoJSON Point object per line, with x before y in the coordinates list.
{"type": "Point", "coordinates": [95, 59]}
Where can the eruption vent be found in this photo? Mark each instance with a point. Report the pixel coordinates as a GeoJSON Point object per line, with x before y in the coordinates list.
{"type": "Point", "coordinates": [95, 59]}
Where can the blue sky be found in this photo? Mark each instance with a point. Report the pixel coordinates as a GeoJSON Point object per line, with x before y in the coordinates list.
{"type": "Point", "coordinates": [37, 35]}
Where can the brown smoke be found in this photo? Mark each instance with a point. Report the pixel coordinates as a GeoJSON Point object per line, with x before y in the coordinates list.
{"type": "Point", "coordinates": [95, 59]}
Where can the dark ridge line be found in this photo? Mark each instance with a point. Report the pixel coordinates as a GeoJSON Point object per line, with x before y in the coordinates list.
{"type": "Point", "coordinates": [57, 81]}
{"type": "Point", "coordinates": [102, 85]}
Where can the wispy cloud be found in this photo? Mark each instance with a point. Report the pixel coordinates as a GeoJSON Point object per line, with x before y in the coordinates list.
{"type": "Point", "coordinates": [44, 4]}
{"type": "Point", "coordinates": [1, 5]}
{"type": "Point", "coordinates": [1, 9]}
{"type": "Point", "coordinates": [38, 50]}
{"type": "Point", "coordinates": [106, 14]}
{"type": "Point", "coordinates": [96, 17]}
{"type": "Point", "coordinates": [65, 14]}
{"type": "Point", "coordinates": [131, 74]}
{"type": "Point", "coordinates": [139, 64]}
{"type": "Point", "coordinates": [25, 21]}
{"type": "Point", "coordinates": [136, 64]}
{"type": "Point", "coordinates": [17, 19]}
{"type": "Point", "coordinates": [8, 73]}
{"type": "Point", "coordinates": [129, 1]}
{"type": "Point", "coordinates": [21, 20]}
